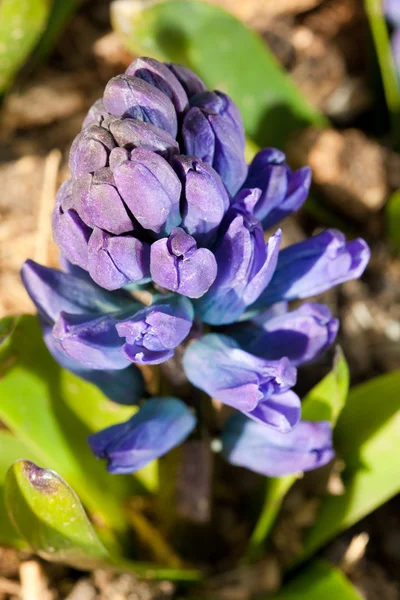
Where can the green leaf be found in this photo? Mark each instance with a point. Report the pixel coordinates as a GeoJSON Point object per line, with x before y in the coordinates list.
{"type": "Point", "coordinates": [34, 406]}
{"type": "Point", "coordinates": [327, 399]}
{"type": "Point", "coordinates": [367, 437]}
{"type": "Point", "coordinates": [226, 55]}
{"type": "Point", "coordinates": [50, 516]}
{"type": "Point", "coordinates": [393, 220]}
{"type": "Point", "coordinates": [320, 580]}
{"type": "Point", "coordinates": [21, 24]}
{"type": "Point", "coordinates": [11, 449]}
{"type": "Point", "coordinates": [390, 81]}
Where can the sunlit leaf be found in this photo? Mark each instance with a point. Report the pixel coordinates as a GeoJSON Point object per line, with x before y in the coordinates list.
{"type": "Point", "coordinates": [11, 449]}
{"type": "Point", "coordinates": [225, 54]}
{"type": "Point", "coordinates": [21, 24]}
{"type": "Point", "coordinates": [320, 580]}
{"type": "Point", "coordinates": [367, 437]}
{"type": "Point", "coordinates": [49, 515]}
{"type": "Point", "coordinates": [327, 399]}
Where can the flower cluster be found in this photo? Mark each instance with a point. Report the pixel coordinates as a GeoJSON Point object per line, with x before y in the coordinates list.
{"type": "Point", "coordinates": [161, 200]}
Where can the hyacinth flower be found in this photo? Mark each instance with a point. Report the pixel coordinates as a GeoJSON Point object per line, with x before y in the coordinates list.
{"type": "Point", "coordinates": [161, 199]}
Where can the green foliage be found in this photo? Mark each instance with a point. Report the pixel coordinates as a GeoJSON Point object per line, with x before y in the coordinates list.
{"type": "Point", "coordinates": [40, 406]}
{"type": "Point", "coordinates": [61, 12]}
{"type": "Point", "coordinates": [367, 437]}
{"type": "Point", "coordinates": [11, 449]}
{"type": "Point", "coordinates": [226, 55]}
{"type": "Point", "coordinates": [49, 515]}
{"type": "Point", "coordinates": [319, 580]}
{"type": "Point", "coordinates": [324, 402]}
{"type": "Point", "coordinates": [327, 399]}
{"type": "Point", "coordinates": [21, 24]}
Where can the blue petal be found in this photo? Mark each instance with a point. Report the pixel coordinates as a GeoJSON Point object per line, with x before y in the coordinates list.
{"type": "Point", "coordinates": [124, 387]}
{"type": "Point", "coordinates": [160, 425]}
{"type": "Point", "coordinates": [154, 332]}
{"type": "Point", "coordinates": [260, 388]}
{"type": "Point", "coordinates": [53, 291]}
{"type": "Point", "coordinates": [302, 334]}
{"type": "Point", "coordinates": [272, 453]}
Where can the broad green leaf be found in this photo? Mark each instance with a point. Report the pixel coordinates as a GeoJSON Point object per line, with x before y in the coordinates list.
{"type": "Point", "coordinates": [34, 408]}
{"type": "Point", "coordinates": [49, 515]}
{"type": "Point", "coordinates": [11, 449]}
{"type": "Point", "coordinates": [21, 24]}
{"type": "Point", "coordinates": [390, 81]}
{"type": "Point", "coordinates": [324, 402]}
{"type": "Point", "coordinates": [368, 439]}
{"type": "Point", "coordinates": [327, 399]}
{"type": "Point", "coordinates": [393, 220]}
{"type": "Point", "coordinates": [320, 580]}
{"type": "Point", "coordinates": [226, 55]}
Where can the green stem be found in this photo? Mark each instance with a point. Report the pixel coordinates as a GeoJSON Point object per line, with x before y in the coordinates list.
{"type": "Point", "coordinates": [387, 67]}
{"type": "Point", "coordinates": [276, 490]}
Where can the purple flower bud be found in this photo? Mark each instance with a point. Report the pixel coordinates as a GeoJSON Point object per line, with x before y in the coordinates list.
{"type": "Point", "coordinates": [204, 198]}
{"type": "Point", "coordinates": [160, 425]}
{"type": "Point", "coordinates": [125, 386]}
{"type": "Point", "coordinates": [179, 266]}
{"type": "Point", "coordinates": [270, 452]}
{"type": "Point", "coordinates": [98, 203]}
{"type": "Point", "coordinates": [282, 191]}
{"type": "Point", "coordinates": [96, 114]}
{"type": "Point", "coordinates": [90, 150]}
{"type": "Point", "coordinates": [213, 131]}
{"type": "Point", "coordinates": [161, 77]}
{"type": "Point", "coordinates": [130, 134]}
{"type": "Point", "coordinates": [154, 332]}
{"type": "Point", "coordinates": [126, 96]}
{"type": "Point", "coordinates": [315, 265]}
{"type": "Point", "coordinates": [257, 387]}
{"type": "Point", "coordinates": [245, 267]}
{"type": "Point", "coordinates": [191, 83]}
{"type": "Point", "coordinates": [301, 335]}
{"type": "Point", "coordinates": [151, 190]}
{"type": "Point", "coordinates": [116, 261]}
{"type": "Point", "coordinates": [70, 233]}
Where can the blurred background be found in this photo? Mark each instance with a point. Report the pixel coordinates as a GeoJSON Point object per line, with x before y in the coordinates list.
{"type": "Point", "coordinates": [317, 80]}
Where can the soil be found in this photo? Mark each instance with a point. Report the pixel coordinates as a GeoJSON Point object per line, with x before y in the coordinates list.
{"type": "Point", "coordinates": [325, 46]}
